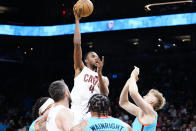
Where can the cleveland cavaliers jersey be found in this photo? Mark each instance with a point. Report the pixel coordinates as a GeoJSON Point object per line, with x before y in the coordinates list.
{"type": "Point", "coordinates": [85, 86]}
{"type": "Point", "coordinates": [51, 123]}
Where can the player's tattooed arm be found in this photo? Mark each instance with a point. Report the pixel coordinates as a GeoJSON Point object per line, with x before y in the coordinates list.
{"type": "Point", "coordinates": [40, 125]}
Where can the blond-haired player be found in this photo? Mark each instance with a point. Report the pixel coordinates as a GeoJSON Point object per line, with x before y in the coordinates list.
{"type": "Point", "coordinates": [146, 106]}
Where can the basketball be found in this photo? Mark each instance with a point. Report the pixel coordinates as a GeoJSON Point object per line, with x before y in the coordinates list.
{"type": "Point", "coordinates": [84, 8]}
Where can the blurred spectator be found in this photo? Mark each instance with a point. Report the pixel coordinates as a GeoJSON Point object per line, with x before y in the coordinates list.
{"type": "Point", "coordinates": [172, 111]}
{"type": "Point", "coordinates": [171, 78]}
{"type": "Point", "coordinates": [159, 123]}
{"type": "Point", "coordinates": [3, 125]}
{"type": "Point", "coordinates": [176, 122]}
{"type": "Point", "coordinates": [183, 110]}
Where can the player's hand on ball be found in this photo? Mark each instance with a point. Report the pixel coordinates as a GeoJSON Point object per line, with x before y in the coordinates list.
{"type": "Point", "coordinates": [83, 8]}
{"type": "Point", "coordinates": [77, 16]}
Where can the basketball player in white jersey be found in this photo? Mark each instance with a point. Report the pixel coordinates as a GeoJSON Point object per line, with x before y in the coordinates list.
{"type": "Point", "coordinates": [60, 117]}
{"type": "Point", "coordinates": [88, 79]}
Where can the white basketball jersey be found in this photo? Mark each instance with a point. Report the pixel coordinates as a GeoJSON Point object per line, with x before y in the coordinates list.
{"type": "Point", "coordinates": [85, 86]}
{"type": "Point", "coordinates": [50, 123]}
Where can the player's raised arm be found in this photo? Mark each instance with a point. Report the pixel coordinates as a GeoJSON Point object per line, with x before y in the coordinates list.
{"type": "Point", "coordinates": [124, 101]}
{"type": "Point", "coordinates": [133, 90]}
{"type": "Point", "coordinates": [78, 64]}
{"type": "Point", "coordinates": [103, 81]}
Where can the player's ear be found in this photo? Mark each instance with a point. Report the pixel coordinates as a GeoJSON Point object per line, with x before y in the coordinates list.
{"type": "Point", "coordinates": [66, 94]}
{"type": "Point", "coordinates": [151, 102]}
{"type": "Point", "coordinates": [86, 60]}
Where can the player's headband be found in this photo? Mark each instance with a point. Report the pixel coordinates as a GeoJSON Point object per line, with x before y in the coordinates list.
{"type": "Point", "coordinates": [45, 105]}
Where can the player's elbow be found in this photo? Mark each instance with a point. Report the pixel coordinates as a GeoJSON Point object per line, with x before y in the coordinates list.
{"type": "Point", "coordinates": [133, 94]}
{"type": "Point", "coordinates": [77, 44]}
{"type": "Point", "coordinates": [104, 90]}
{"type": "Point", "coordinates": [122, 103]}
{"type": "Point", "coordinates": [105, 93]}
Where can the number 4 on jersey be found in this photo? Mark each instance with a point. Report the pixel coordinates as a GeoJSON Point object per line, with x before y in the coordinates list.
{"type": "Point", "coordinates": [91, 88]}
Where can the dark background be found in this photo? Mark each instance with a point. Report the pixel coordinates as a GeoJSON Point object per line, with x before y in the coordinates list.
{"type": "Point", "coordinates": [49, 12]}
{"type": "Point", "coordinates": [165, 56]}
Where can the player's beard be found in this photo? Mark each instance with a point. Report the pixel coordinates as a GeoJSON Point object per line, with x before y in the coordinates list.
{"type": "Point", "coordinates": [94, 67]}
{"type": "Point", "coordinates": [70, 100]}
